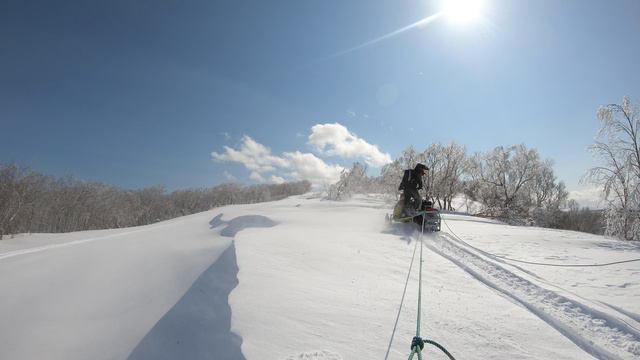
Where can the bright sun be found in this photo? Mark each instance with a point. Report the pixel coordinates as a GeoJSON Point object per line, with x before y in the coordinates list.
{"type": "Point", "coordinates": [463, 11]}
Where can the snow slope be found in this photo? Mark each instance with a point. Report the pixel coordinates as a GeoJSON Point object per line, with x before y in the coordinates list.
{"type": "Point", "coordinates": [305, 278]}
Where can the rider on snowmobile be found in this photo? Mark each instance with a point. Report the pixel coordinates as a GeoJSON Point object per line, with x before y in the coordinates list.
{"type": "Point", "coordinates": [411, 183]}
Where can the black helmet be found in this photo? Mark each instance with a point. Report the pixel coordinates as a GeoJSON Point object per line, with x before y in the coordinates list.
{"type": "Point", "coordinates": [421, 168]}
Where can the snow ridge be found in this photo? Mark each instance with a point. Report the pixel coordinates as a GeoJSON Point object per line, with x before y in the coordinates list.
{"type": "Point", "coordinates": [198, 326]}
{"type": "Point", "coordinates": [597, 333]}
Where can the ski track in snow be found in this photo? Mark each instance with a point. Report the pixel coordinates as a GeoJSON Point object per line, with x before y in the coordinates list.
{"type": "Point", "coordinates": [66, 244]}
{"type": "Point", "coordinates": [635, 317]}
{"type": "Point", "coordinates": [138, 229]}
{"type": "Point", "coordinates": [601, 335]}
{"type": "Point", "coordinates": [315, 355]}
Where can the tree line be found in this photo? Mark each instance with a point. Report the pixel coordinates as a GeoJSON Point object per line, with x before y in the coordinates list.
{"type": "Point", "coordinates": [34, 202]}
{"type": "Point", "coordinates": [512, 183]}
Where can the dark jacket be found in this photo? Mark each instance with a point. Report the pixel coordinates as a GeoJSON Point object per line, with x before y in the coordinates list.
{"type": "Point", "coordinates": [411, 180]}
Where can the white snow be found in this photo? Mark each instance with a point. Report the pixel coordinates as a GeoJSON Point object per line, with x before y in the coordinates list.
{"type": "Point", "coordinates": [305, 278]}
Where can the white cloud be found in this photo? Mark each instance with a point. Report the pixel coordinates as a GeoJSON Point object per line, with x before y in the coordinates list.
{"type": "Point", "coordinates": [335, 139]}
{"type": "Point", "coordinates": [255, 176]}
{"type": "Point", "coordinates": [255, 156]}
{"type": "Point", "coordinates": [351, 113]}
{"type": "Point", "coordinates": [308, 166]}
{"type": "Point", "coordinates": [227, 175]}
{"type": "Point", "coordinates": [277, 179]}
{"type": "Point", "coordinates": [258, 159]}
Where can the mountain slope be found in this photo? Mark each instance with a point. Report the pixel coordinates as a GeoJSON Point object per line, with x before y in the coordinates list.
{"type": "Point", "coordinates": [307, 278]}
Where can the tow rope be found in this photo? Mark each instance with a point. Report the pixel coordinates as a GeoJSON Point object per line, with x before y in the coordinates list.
{"type": "Point", "coordinates": [417, 343]}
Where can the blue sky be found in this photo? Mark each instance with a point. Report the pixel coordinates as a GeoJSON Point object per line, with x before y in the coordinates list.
{"type": "Point", "coordinates": [137, 93]}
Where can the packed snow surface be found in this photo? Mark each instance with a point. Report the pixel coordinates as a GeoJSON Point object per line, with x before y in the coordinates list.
{"type": "Point", "coordinates": [306, 278]}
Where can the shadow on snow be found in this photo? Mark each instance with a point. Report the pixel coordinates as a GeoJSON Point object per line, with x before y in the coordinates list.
{"type": "Point", "coordinates": [198, 326]}
{"type": "Point", "coordinates": [242, 222]}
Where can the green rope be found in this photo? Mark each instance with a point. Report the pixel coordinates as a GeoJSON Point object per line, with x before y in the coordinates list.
{"type": "Point", "coordinates": [417, 344]}
{"type": "Point", "coordinates": [404, 292]}
{"type": "Point", "coordinates": [440, 347]}
{"type": "Point", "coordinates": [420, 283]}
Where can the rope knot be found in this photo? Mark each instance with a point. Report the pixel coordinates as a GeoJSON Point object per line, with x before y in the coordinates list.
{"type": "Point", "coordinates": [417, 341]}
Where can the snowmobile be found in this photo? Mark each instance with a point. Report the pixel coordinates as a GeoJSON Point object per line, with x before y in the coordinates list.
{"type": "Point", "coordinates": [430, 215]}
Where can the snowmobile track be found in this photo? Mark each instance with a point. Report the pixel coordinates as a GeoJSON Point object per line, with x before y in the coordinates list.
{"type": "Point", "coordinates": [601, 335]}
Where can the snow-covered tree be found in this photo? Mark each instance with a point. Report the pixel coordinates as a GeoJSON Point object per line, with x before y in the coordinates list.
{"type": "Point", "coordinates": [391, 174]}
{"type": "Point", "coordinates": [501, 175]}
{"type": "Point", "coordinates": [547, 195]}
{"type": "Point", "coordinates": [512, 182]}
{"type": "Point", "coordinates": [351, 182]}
{"type": "Point", "coordinates": [444, 180]}
{"type": "Point", "coordinates": [515, 184]}
{"type": "Point", "coordinates": [618, 151]}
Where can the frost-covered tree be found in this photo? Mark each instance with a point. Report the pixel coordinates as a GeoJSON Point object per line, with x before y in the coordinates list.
{"type": "Point", "coordinates": [547, 195]}
{"type": "Point", "coordinates": [391, 174]}
{"type": "Point", "coordinates": [513, 182]}
{"type": "Point", "coordinates": [352, 181]}
{"type": "Point", "coordinates": [390, 177]}
{"type": "Point", "coordinates": [618, 150]}
{"type": "Point", "coordinates": [444, 180]}
{"type": "Point", "coordinates": [409, 158]}
{"type": "Point", "coordinates": [501, 175]}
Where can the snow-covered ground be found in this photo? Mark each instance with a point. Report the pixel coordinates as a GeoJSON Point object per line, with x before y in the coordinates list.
{"type": "Point", "coordinates": [305, 278]}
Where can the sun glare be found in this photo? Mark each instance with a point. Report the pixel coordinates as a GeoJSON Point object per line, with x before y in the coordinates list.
{"type": "Point", "coordinates": [463, 11]}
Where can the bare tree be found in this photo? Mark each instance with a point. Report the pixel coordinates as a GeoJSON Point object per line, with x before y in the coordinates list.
{"type": "Point", "coordinates": [30, 201]}
{"type": "Point", "coordinates": [17, 194]}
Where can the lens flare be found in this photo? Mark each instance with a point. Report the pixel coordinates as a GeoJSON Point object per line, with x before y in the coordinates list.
{"type": "Point", "coordinates": [416, 24]}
